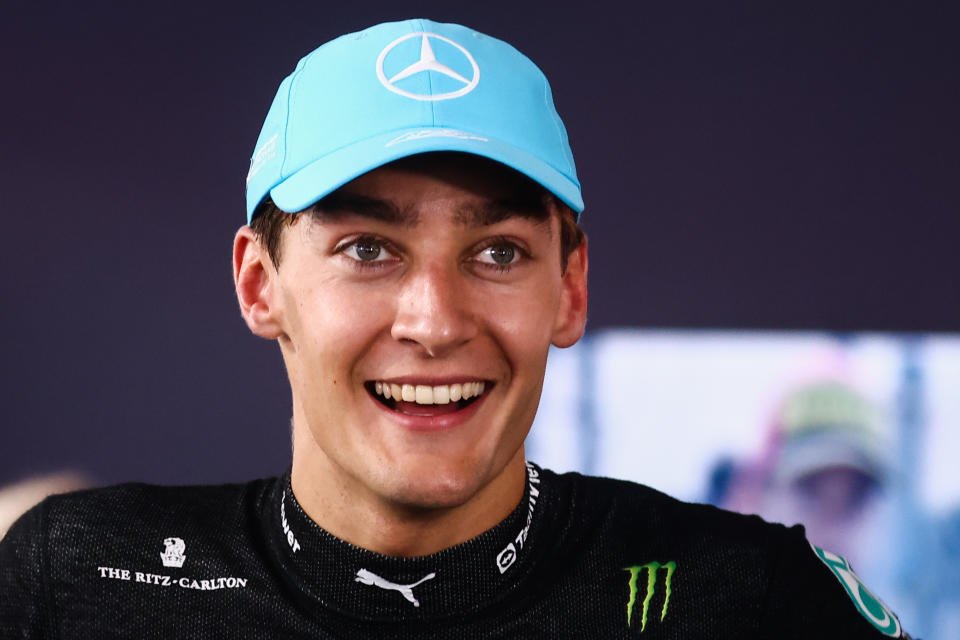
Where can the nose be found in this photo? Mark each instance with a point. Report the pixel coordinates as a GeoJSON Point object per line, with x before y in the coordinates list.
{"type": "Point", "coordinates": [434, 310]}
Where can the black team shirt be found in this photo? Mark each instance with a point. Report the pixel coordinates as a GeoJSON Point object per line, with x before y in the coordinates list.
{"type": "Point", "coordinates": [579, 557]}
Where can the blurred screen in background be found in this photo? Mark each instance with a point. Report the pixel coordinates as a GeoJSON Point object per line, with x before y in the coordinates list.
{"type": "Point", "coordinates": [855, 436]}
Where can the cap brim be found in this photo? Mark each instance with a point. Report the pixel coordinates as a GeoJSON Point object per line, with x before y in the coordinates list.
{"type": "Point", "coordinates": [816, 452]}
{"type": "Point", "coordinates": [335, 169]}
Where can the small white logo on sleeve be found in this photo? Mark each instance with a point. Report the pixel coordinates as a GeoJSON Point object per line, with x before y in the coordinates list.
{"type": "Point", "coordinates": [172, 554]}
{"type": "Point", "coordinates": [406, 590]}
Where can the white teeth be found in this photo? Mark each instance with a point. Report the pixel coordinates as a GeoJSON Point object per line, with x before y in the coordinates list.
{"type": "Point", "coordinates": [472, 389]}
{"type": "Point", "coordinates": [426, 394]}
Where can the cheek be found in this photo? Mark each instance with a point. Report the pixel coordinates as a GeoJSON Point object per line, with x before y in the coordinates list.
{"type": "Point", "coordinates": [535, 308]}
{"type": "Point", "coordinates": [524, 323]}
{"type": "Point", "coordinates": [330, 329]}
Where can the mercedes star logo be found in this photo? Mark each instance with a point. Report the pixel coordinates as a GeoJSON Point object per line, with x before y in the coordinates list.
{"type": "Point", "coordinates": [428, 62]}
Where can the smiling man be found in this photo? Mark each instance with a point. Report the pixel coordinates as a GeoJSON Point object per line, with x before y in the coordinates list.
{"type": "Point", "coordinates": [414, 307]}
{"type": "Point", "coordinates": [412, 246]}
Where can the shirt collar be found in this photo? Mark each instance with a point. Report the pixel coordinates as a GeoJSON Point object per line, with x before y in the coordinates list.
{"type": "Point", "coordinates": [365, 584]}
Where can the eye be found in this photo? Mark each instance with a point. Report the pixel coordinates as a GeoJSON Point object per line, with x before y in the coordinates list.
{"type": "Point", "coordinates": [366, 249]}
{"type": "Point", "coordinates": [500, 254]}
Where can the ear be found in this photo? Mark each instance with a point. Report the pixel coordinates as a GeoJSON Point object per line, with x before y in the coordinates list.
{"type": "Point", "coordinates": [572, 312]}
{"type": "Point", "coordinates": [254, 277]}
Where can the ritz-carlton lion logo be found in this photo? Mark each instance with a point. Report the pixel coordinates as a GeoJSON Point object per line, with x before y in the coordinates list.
{"type": "Point", "coordinates": [172, 554]}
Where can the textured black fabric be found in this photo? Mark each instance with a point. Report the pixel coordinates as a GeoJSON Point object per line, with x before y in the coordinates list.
{"type": "Point", "coordinates": [90, 565]}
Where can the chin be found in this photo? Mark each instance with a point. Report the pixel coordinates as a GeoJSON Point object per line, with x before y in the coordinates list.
{"type": "Point", "coordinates": [434, 487]}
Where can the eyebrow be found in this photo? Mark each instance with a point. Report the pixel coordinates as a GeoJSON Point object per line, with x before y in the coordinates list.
{"type": "Point", "coordinates": [340, 204]}
{"type": "Point", "coordinates": [494, 211]}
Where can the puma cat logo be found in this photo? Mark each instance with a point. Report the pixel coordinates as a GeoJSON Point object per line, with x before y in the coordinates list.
{"type": "Point", "coordinates": [406, 590]}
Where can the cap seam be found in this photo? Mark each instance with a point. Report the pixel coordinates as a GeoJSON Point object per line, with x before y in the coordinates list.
{"type": "Point", "coordinates": [286, 116]}
{"type": "Point", "coordinates": [561, 132]}
{"type": "Point", "coordinates": [433, 103]}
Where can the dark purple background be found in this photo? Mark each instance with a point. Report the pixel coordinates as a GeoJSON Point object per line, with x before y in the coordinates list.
{"type": "Point", "coordinates": [759, 165]}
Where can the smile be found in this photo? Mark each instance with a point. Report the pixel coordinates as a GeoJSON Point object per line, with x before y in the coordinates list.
{"type": "Point", "coordinates": [427, 400]}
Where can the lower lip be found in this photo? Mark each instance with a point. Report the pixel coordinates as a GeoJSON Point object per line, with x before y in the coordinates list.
{"type": "Point", "coordinates": [433, 423]}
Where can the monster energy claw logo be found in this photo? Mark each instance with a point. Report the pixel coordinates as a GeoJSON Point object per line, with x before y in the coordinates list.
{"type": "Point", "coordinates": [652, 569]}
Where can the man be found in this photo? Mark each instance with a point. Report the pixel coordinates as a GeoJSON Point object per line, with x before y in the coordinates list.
{"type": "Point", "coordinates": [412, 247]}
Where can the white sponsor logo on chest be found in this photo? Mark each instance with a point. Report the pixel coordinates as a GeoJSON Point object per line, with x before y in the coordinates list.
{"type": "Point", "coordinates": [172, 556]}
{"type": "Point", "coordinates": [406, 590]}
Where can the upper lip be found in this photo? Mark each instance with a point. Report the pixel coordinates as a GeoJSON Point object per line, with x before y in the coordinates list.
{"type": "Point", "coordinates": [432, 380]}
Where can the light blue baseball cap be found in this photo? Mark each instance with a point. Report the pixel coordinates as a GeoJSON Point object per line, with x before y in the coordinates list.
{"type": "Point", "coordinates": [403, 88]}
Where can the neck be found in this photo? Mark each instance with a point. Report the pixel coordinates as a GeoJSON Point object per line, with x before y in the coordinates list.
{"type": "Point", "coordinates": [351, 509]}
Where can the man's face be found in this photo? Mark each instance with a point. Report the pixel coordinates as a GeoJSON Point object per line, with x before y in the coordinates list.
{"type": "Point", "coordinates": [426, 278]}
